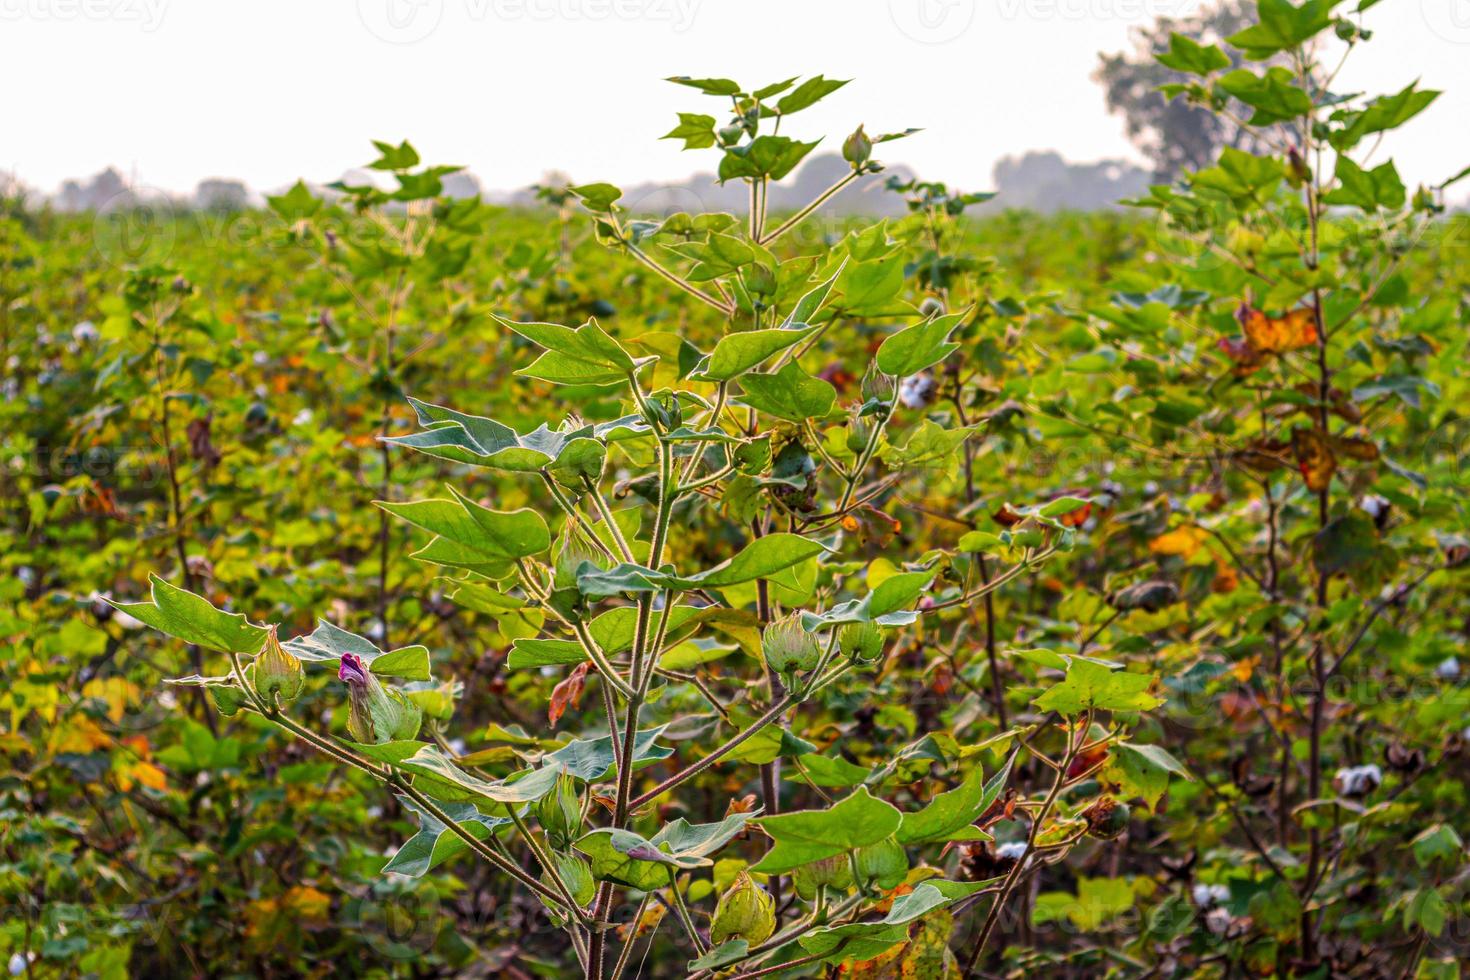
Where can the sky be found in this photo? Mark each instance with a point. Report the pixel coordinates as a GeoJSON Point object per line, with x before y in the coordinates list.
{"type": "Point", "coordinates": [268, 91]}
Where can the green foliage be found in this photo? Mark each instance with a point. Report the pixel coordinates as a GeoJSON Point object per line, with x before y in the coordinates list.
{"type": "Point", "coordinates": [1066, 584]}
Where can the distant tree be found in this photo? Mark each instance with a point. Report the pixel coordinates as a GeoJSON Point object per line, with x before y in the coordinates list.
{"type": "Point", "coordinates": [1043, 181]}
{"type": "Point", "coordinates": [1174, 135]}
{"type": "Point", "coordinates": [217, 194]}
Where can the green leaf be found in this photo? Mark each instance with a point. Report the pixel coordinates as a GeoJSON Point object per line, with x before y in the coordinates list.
{"type": "Point", "coordinates": [718, 255]}
{"type": "Point", "coordinates": [923, 345]}
{"type": "Point", "coordinates": [1273, 95]}
{"type": "Point", "coordinates": [762, 558]}
{"type": "Point", "coordinates": [390, 157]}
{"type": "Point", "coordinates": [931, 894]}
{"type": "Point", "coordinates": [811, 302]}
{"type": "Point", "coordinates": [737, 353]}
{"type": "Point", "coordinates": [612, 630]}
{"type": "Point", "coordinates": [811, 835]}
{"type": "Point", "coordinates": [327, 643]}
{"type": "Point", "coordinates": [1438, 843]}
{"type": "Point", "coordinates": [1143, 770]}
{"type": "Point", "coordinates": [1427, 910]}
{"type": "Point", "coordinates": [1091, 685]}
{"type": "Point", "coordinates": [897, 592]}
{"type": "Point", "coordinates": [522, 787]}
{"type": "Point", "coordinates": [823, 770]}
{"type": "Point", "coordinates": [1097, 900]}
{"type": "Point", "coordinates": [645, 863]}
{"type": "Point", "coordinates": [1403, 387]}
{"type": "Point", "coordinates": [530, 652]}
{"type": "Point", "coordinates": [775, 88]}
{"type": "Point", "coordinates": [1382, 114]}
{"type": "Point", "coordinates": [1283, 25]}
{"type": "Point", "coordinates": [789, 394]}
{"type": "Point", "coordinates": [491, 535]}
{"type": "Point", "coordinates": [722, 955]}
{"type": "Point", "coordinates": [1062, 505]}
{"type": "Point", "coordinates": [696, 130]}
{"type": "Point", "coordinates": [930, 443]}
{"type": "Point", "coordinates": [595, 582]}
{"type": "Point", "coordinates": [865, 940]}
{"type": "Point", "coordinates": [597, 197]}
{"type": "Point", "coordinates": [764, 156]}
{"type": "Point", "coordinates": [689, 841]}
{"type": "Point", "coordinates": [193, 619]}
{"type": "Point", "coordinates": [1350, 545]}
{"type": "Point", "coordinates": [808, 93]}
{"type": "Point", "coordinates": [586, 355]}
{"type": "Point", "coordinates": [1241, 176]}
{"type": "Point", "coordinates": [1188, 55]}
{"type": "Point", "coordinates": [709, 86]}
{"type": "Point", "coordinates": [871, 286]}
{"type": "Point", "coordinates": [855, 941]}
{"type": "Point", "coordinates": [480, 441]}
{"type": "Point", "coordinates": [296, 204]}
{"type": "Point", "coordinates": [951, 813]}
{"type": "Point", "coordinates": [592, 759]}
{"type": "Point", "coordinates": [435, 843]}
{"type": "Point", "coordinates": [1367, 189]}
{"type": "Point", "coordinates": [627, 859]}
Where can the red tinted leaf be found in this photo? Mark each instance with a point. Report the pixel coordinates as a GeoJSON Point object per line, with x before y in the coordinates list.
{"type": "Point", "coordinates": [567, 692]}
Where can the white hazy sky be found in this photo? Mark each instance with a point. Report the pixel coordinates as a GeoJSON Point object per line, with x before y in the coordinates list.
{"type": "Point", "coordinates": [172, 91]}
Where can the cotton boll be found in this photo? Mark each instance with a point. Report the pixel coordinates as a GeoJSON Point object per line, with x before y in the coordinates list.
{"type": "Point", "coordinates": [1207, 895]}
{"type": "Point", "coordinates": [1011, 850]}
{"type": "Point", "coordinates": [1448, 669]}
{"type": "Point", "coordinates": [918, 390]}
{"type": "Point", "coordinates": [1357, 781]}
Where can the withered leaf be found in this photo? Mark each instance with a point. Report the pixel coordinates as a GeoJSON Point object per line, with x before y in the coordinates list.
{"type": "Point", "coordinates": [568, 692]}
{"type": "Point", "coordinates": [1314, 459]}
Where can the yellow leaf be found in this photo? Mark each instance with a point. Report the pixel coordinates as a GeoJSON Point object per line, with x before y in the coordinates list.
{"type": "Point", "coordinates": [80, 735]}
{"type": "Point", "coordinates": [145, 773]}
{"type": "Point", "coordinates": [116, 691]}
{"type": "Point", "coordinates": [309, 905]}
{"type": "Point", "coordinates": [1182, 541]}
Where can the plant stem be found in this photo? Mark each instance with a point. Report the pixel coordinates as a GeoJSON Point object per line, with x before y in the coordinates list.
{"type": "Point", "coordinates": [623, 955]}
{"type": "Point", "coordinates": [694, 769]}
{"type": "Point", "coordinates": [801, 215]}
{"type": "Point", "coordinates": [677, 281]}
{"type": "Point", "coordinates": [992, 917]}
